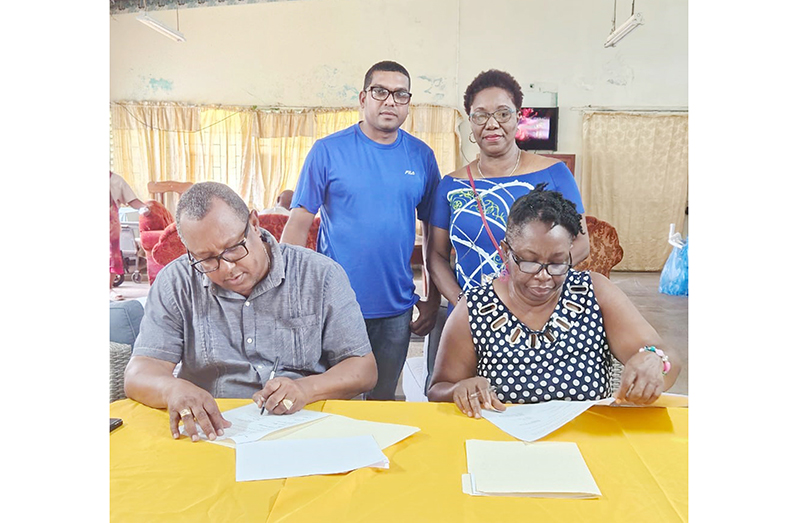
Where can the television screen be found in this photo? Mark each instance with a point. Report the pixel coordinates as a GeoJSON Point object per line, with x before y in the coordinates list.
{"type": "Point", "coordinates": [537, 128]}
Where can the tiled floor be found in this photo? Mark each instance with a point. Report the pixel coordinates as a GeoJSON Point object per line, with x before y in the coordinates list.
{"type": "Point", "coordinates": [667, 314]}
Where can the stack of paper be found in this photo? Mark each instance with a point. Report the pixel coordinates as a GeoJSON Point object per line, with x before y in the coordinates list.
{"type": "Point", "coordinates": [515, 468]}
{"type": "Point", "coordinates": [335, 426]}
{"type": "Point", "coordinates": [307, 457]}
{"type": "Point", "coordinates": [304, 443]}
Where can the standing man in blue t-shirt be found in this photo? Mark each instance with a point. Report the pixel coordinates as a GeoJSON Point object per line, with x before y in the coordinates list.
{"type": "Point", "coordinates": [370, 181]}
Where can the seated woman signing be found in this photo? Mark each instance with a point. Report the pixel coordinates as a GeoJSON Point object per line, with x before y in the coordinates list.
{"type": "Point", "coordinates": [544, 331]}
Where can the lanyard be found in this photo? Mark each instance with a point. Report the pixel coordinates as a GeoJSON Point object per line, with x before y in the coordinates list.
{"type": "Point", "coordinates": [482, 214]}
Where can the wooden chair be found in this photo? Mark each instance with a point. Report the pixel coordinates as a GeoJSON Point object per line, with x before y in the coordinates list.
{"type": "Point", "coordinates": [605, 249]}
{"type": "Point", "coordinates": [159, 191]}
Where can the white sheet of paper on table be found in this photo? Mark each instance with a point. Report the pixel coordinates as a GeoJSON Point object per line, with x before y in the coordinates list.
{"type": "Point", "coordinates": [248, 425]}
{"type": "Point", "coordinates": [534, 421]}
{"type": "Point", "coordinates": [666, 400]}
{"type": "Point", "coordinates": [335, 426]}
{"type": "Point", "coordinates": [306, 457]}
{"type": "Point", "coordinates": [551, 469]}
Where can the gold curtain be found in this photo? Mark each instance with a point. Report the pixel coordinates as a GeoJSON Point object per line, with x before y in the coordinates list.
{"type": "Point", "coordinates": [329, 121]}
{"type": "Point", "coordinates": [152, 142]}
{"type": "Point", "coordinates": [634, 176]}
{"type": "Point", "coordinates": [258, 153]}
{"type": "Point", "coordinates": [437, 127]}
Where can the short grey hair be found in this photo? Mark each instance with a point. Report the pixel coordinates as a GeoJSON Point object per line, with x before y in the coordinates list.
{"type": "Point", "coordinates": [196, 202]}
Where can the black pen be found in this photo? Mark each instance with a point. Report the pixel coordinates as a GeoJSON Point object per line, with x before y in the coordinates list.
{"type": "Point", "coordinates": [271, 376]}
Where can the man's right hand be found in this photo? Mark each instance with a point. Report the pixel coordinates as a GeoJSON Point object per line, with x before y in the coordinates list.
{"type": "Point", "coordinates": [194, 406]}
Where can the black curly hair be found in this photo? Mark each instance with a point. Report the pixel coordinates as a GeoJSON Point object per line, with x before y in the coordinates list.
{"type": "Point", "coordinates": [493, 78]}
{"type": "Point", "coordinates": [544, 206]}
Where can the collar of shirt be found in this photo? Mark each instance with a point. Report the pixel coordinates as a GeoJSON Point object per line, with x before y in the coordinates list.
{"type": "Point", "coordinates": [274, 277]}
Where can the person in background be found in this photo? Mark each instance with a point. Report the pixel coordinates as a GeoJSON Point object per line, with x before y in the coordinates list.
{"type": "Point", "coordinates": [235, 305]}
{"type": "Point", "coordinates": [283, 204]}
{"type": "Point", "coordinates": [370, 182]}
{"type": "Point", "coordinates": [121, 194]}
{"type": "Point", "coordinates": [472, 203]}
{"type": "Point", "coordinates": [544, 331]}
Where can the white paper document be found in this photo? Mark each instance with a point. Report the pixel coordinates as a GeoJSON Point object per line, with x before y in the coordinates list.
{"type": "Point", "coordinates": [534, 421]}
{"type": "Point", "coordinates": [249, 425]}
{"type": "Point", "coordinates": [666, 400]}
{"type": "Point", "coordinates": [549, 469]}
{"type": "Point", "coordinates": [306, 457]}
{"type": "Point", "coordinates": [335, 426]}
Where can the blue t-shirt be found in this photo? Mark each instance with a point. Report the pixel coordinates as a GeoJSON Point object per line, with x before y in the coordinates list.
{"type": "Point", "coordinates": [455, 209]}
{"type": "Point", "coordinates": [369, 194]}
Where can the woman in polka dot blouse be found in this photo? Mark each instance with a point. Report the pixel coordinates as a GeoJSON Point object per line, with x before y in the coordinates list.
{"type": "Point", "coordinates": [543, 331]}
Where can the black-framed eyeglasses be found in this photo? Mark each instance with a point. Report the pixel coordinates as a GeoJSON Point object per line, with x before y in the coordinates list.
{"type": "Point", "coordinates": [501, 116]}
{"type": "Point", "coordinates": [232, 254]}
{"type": "Point", "coordinates": [532, 267]}
{"type": "Point", "coordinates": [400, 96]}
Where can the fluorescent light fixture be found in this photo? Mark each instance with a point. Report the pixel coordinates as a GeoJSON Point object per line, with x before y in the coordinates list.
{"type": "Point", "coordinates": [625, 28]}
{"type": "Point", "coordinates": [152, 23]}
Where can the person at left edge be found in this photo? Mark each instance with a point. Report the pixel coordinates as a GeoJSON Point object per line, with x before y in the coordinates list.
{"type": "Point", "coordinates": [370, 181]}
{"type": "Point", "coordinates": [121, 194]}
{"type": "Point", "coordinates": [235, 302]}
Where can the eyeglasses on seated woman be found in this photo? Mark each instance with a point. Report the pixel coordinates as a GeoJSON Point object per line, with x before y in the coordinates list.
{"type": "Point", "coordinates": [543, 331]}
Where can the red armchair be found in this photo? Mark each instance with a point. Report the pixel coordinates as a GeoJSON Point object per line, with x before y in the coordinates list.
{"type": "Point", "coordinates": [275, 223]}
{"type": "Point", "coordinates": [151, 226]}
{"type": "Point", "coordinates": [169, 247]}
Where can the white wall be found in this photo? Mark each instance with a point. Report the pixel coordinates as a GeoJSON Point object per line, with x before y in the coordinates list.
{"type": "Point", "coordinates": [315, 53]}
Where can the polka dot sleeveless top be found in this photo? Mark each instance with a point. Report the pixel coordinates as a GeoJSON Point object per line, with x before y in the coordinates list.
{"type": "Point", "coordinates": [568, 359]}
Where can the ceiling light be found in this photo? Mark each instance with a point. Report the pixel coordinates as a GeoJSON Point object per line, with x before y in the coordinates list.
{"type": "Point", "coordinates": [152, 23]}
{"type": "Point", "coordinates": [625, 28]}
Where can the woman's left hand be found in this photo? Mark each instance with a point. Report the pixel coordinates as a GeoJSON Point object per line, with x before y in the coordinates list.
{"type": "Point", "coordinates": [642, 381]}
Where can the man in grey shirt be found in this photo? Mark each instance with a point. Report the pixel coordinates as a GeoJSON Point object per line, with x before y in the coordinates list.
{"type": "Point", "coordinates": [234, 305]}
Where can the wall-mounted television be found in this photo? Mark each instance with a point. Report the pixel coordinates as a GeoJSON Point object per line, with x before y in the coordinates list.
{"type": "Point", "coordinates": [537, 128]}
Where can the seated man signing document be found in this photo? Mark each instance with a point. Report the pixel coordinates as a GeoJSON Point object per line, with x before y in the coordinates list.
{"type": "Point", "coordinates": [234, 305]}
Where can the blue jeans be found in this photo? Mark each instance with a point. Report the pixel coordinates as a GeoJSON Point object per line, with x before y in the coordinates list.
{"type": "Point", "coordinates": [390, 339]}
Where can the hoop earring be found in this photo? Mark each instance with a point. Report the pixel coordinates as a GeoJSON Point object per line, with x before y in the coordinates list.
{"type": "Point", "coordinates": [471, 138]}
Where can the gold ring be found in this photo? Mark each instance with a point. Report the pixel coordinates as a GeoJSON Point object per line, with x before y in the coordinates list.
{"type": "Point", "coordinates": [185, 413]}
{"type": "Point", "coordinates": [288, 403]}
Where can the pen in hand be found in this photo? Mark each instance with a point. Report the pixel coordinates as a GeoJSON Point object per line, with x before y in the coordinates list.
{"type": "Point", "coordinates": [271, 376]}
{"type": "Point", "coordinates": [479, 393]}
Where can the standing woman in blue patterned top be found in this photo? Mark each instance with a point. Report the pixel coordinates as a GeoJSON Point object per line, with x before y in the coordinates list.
{"type": "Point", "coordinates": [500, 174]}
{"type": "Point", "coordinates": [544, 331]}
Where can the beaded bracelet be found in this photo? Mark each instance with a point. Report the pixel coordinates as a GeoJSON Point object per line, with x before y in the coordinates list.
{"type": "Point", "coordinates": [666, 364]}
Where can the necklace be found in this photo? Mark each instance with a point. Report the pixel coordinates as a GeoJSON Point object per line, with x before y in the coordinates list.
{"type": "Point", "coordinates": [517, 163]}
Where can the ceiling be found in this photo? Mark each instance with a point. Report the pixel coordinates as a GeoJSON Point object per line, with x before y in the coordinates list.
{"type": "Point", "coordinates": [134, 6]}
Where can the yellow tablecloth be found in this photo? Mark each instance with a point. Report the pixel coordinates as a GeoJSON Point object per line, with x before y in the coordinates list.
{"type": "Point", "coordinates": [638, 458]}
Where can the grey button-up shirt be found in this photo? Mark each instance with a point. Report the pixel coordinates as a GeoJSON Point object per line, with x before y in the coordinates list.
{"type": "Point", "coordinates": [303, 311]}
